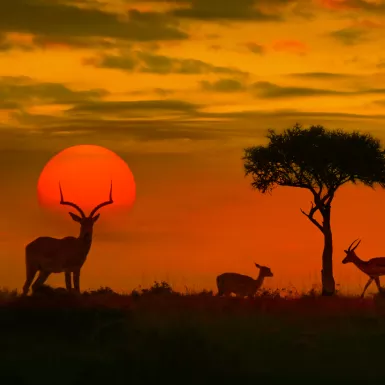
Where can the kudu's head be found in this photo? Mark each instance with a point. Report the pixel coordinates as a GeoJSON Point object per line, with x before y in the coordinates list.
{"type": "Point", "coordinates": [351, 256]}
{"type": "Point", "coordinates": [86, 223]}
{"type": "Point", "coordinates": [264, 271]}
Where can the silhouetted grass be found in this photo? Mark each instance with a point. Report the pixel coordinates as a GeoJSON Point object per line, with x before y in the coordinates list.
{"type": "Point", "coordinates": [157, 336]}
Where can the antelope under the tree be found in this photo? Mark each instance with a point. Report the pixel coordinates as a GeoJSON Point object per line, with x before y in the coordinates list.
{"type": "Point", "coordinates": [374, 267]}
{"type": "Point", "coordinates": [48, 255]}
{"type": "Point", "coordinates": [242, 285]}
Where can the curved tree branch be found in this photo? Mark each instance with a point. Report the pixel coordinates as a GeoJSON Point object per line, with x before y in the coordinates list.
{"type": "Point", "coordinates": [310, 215]}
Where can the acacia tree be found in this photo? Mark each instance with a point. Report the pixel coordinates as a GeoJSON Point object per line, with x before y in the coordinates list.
{"type": "Point", "coordinates": [320, 161]}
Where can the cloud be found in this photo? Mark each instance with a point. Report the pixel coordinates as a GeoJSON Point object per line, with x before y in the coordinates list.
{"type": "Point", "coordinates": [270, 90]}
{"type": "Point", "coordinates": [203, 131]}
{"type": "Point", "coordinates": [377, 6]}
{"type": "Point", "coordinates": [62, 19]}
{"type": "Point", "coordinates": [7, 105]}
{"type": "Point", "coordinates": [229, 10]}
{"type": "Point", "coordinates": [72, 42]}
{"type": "Point", "coordinates": [6, 44]}
{"type": "Point", "coordinates": [256, 48]}
{"type": "Point", "coordinates": [131, 108]}
{"type": "Point", "coordinates": [349, 35]}
{"type": "Point", "coordinates": [129, 131]}
{"type": "Point", "coordinates": [163, 91]}
{"type": "Point", "coordinates": [289, 113]}
{"type": "Point", "coordinates": [322, 75]}
{"type": "Point", "coordinates": [139, 61]}
{"type": "Point", "coordinates": [292, 46]}
{"type": "Point", "coordinates": [241, 10]}
{"type": "Point", "coordinates": [380, 102]}
{"type": "Point", "coordinates": [334, 4]}
{"type": "Point", "coordinates": [215, 47]}
{"type": "Point", "coordinates": [24, 89]}
{"type": "Point", "coordinates": [215, 10]}
{"type": "Point", "coordinates": [158, 91]}
{"type": "Point", "coordinates": [223, 85]}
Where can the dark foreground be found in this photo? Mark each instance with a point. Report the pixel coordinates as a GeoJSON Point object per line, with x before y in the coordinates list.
{"type": "Point", "coordinates": [167, 338]}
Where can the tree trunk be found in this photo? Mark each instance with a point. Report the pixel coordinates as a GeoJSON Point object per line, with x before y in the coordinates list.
{"type": "Point", "coordinates": [328, 284]}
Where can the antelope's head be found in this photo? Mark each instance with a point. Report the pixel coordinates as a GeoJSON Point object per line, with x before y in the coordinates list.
{"type": "Point", "coordinates": [350, 253]}
{"type": "Point", "coordinates": [86, 222]}
{"type": "Point", "coordinates": [264, 270]}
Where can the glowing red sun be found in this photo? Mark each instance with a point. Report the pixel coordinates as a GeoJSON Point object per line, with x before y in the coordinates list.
{"type": "Point", "coordinates": [85, 173]}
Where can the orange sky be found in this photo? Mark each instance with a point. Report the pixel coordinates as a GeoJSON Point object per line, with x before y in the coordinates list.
{"type": "Point", "coordinates": [178, 89]}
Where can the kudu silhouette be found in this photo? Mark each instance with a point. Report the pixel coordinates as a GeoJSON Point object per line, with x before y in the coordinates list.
{"type": "Point", "coordinates": [48, 255]}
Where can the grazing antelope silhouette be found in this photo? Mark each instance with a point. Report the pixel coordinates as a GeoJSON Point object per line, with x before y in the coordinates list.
{"type": "Point", "coordinates": [374, 267]}
{"type": "Point", "coordinates": [48, 255]}
{"type": "Point", "coordinates": [242, 285]}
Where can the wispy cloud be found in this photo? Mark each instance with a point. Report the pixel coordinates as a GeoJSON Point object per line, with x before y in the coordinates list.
{"type": "Point", "coordinates": [291, 114]}
{"type": "Point", "coordinates": [322, 75]}
{"type": "Point", "coordinates": [140, 61]}
{"type": "Point", "coordinates": [214, 10]}
{"type": "Point", "coordinates": [256, 48]}
{"type": "Point", "coordinates": [8, 44]}
{"type": "Point", "coordinates": [26, 90]}
{"type": "Point", "coordinates": [223, 85]}
{"type": "Point", "coordinates": [117, 108]}
{"type": "Point", "coordinates": [271, 90]}
{"type": "Point", "coordinates": [61, 19]}
{"type": "Point", "coordinates": [357, 5]}
{"type": "Point", "coordinates": [349, 35]}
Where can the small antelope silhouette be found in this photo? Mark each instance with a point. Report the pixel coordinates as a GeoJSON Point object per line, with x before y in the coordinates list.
{"type": "Point", "coordinates": [242, 285]}
{"type": "Point", "coordinates": [48, 255]}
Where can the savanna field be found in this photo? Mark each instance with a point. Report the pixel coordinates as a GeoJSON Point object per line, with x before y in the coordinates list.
{"type": "Point", "coordinates": [160, 336]}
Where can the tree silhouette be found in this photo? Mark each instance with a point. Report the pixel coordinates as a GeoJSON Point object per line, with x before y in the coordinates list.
{"type": "Point", "coordinates": [321, 161]}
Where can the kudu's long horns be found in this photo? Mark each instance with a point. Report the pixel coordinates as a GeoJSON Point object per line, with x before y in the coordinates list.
{"type": "Point", "coordinates": [75, 206]}
{"type": "Point", "coordinates": [99, 206]}
{"type": "Point", "coordinates": [67, 203]}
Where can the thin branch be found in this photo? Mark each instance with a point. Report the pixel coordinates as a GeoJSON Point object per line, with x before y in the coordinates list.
{"type": "Point", "coordinates": [310, 215]}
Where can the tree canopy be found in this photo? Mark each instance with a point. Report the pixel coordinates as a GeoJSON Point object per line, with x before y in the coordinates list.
{"type": "Point", "coordinates": [316, 159]}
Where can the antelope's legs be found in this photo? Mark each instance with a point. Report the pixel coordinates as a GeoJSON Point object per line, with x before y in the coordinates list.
{"type": "Point", "coordinates": [68, 281]}
{"type": "Point", "coordinates": [43, 275]}
{"type": "Point", "coordinates": [380, 289]}
{"type": "Point", "coordinates": [31, 272]}
{"type": "Point", "coordinates": [76, 277]}
{"type": "Point", "coordinates": [366, 286]}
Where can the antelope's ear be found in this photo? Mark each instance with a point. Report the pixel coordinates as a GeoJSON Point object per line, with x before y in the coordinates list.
{"type": "Point", "coordinates": [95, 218]}
{"type": "Point", "coordinates": [75, 217]}
{"type": "Point", "coordinates": [346, 251]}
{"type": "Point", "coordinates": [256, 264]}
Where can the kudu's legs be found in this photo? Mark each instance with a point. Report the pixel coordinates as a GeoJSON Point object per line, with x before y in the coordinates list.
{"type": "Point", "coordinates": [76, 276]}
{"type": "Point", "coordinates": [43, 275]}
{"type": "Point", "coordinates": [68, 281]}
{"type": "Point", "coordinates": [31, 272]}
{"type": "Point", "coordinates": [366, 286]}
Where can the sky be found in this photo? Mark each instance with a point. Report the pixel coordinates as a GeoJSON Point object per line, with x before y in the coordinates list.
{"type": "Point", "coordinates": [178, 89]}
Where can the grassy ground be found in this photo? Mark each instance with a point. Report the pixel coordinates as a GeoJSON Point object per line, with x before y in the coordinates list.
{"type": "Point", "coordinates": [161, 337]}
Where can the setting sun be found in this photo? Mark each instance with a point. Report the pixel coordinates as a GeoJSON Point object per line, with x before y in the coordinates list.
{"type": "Point", "coordinates": [85, 173]}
